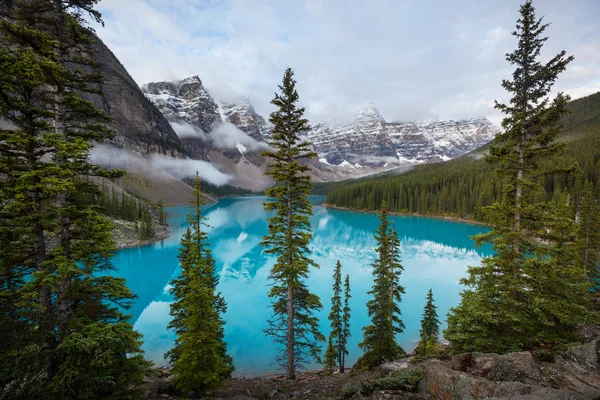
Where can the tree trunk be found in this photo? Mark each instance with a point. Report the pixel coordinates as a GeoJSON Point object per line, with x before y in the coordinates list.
{"type": "Point", "coordinates": [518, 201]}
{"type": "Point", "coordinates": [291, 364]}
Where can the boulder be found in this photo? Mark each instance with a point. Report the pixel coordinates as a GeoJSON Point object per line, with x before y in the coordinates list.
{"type": "Point", "coordinates": [575, 376]}
{"type": "Point", "coordinates": [516, 367]}
{"type": "Point", "coordinates": [479, 364]}
{"type": "Point", "coordinates": [511, 367]}
{"type": "Point", "coordinates": [389, 368]}
{"type": "Point", "coordinates": [441, 382]}
{"type": "Point", "coordinates": [586, 355]}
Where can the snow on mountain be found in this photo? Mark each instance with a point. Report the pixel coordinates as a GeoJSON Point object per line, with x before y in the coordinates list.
{"type": "Point", "coordinates": [370, 140]}
{"type": "Point", "coordinates": [365, 144]}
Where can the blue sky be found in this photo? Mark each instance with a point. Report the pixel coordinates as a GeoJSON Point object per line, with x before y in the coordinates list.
{"type": "Point", "coordinates": [414, 59]}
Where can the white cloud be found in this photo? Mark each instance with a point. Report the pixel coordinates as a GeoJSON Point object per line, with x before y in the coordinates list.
{"type": "Point", "coordinates": [112, 157]}
{"type": "Point", "coordinates": [227, 135]}
{"type": "Point", "coordinates": [412, 59]}
{"type": "Point", "coordinates": [185, 130]}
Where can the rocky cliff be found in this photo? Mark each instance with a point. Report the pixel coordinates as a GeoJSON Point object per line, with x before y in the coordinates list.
{"type": "Point", "coordinates": [140, 127]}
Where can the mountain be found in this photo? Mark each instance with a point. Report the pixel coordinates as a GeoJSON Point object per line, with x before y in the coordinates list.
{"type": "Point", "coordinates": [463, 186]}
{"type": "Point", "coordinates": [230, 136]}
{"type": "Point", "coordinates": [370, 140]}
{"type": "Point", "coordinates": [233, 135]}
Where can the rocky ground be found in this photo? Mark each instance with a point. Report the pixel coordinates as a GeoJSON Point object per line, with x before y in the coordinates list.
{"type": "Point", "coordinates": [573, 374]}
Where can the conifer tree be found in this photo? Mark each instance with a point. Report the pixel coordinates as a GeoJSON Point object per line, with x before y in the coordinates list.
{"type": "Point", "coordinates": [345, 323]}
{"type": "Point", "coordinates": [199, 357]}
{"type": "Point", "coordinates": [379, 341]}
{"type": "Point", "coordinates": [430, 327]}
{"type": "Point", "coordinates": [71, 338]}
{"type": "Point", "coordinates": [339, 319]}
{"type": "Point", "coordinates": [294, 324]}
{"type": "Point", "coordinates": [162, 218]}
{"type": "Point", "coordinates": [496, 312]}
{"type": "Point", "coordinates": [330, 358]}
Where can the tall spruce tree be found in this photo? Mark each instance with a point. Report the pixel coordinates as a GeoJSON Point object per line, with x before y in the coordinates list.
{"type": "Point", "coordinates": [379, 341]}
{"type": "Point", "coordinates": [294, 324]}
{"type": "Point", "coordinates": [528, 292]}
{"type": "Point", "coordinates": [430, 327]}
{"type": "Point", "coordinates": [345, 323]}
{"type": "Point", "coordinates": [71, 338]}
{"type": "Point", "coordinates": [199, 357]}
{"type": "Point", "coordinates": [339, 317]}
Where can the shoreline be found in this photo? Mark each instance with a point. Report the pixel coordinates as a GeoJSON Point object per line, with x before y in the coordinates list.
{"type": "Point", "coordinates": [409, 214]}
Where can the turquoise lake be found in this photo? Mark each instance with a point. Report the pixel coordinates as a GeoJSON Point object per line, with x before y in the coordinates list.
{"type": "Point", "coordinates": [435, 253]}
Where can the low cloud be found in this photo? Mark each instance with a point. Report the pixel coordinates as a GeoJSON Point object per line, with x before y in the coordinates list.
{"type": "Point", "coordinates": [228, 135]}
{"type": "Point", "coordinates": [185, 130]}
{"type": "Point", "coordinates": [112, 157]}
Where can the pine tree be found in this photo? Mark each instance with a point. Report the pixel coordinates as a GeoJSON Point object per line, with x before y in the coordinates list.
{"type": "Point", "coordinates": [293, 324]}
{"type": "Point", "coordinates": [70, 338]}
{"type": "Point", "coordinates": [199, 357]}
{"type": "Point", "coordinates": [430, 328]}
{"type": "Point", "coordinates": [345, 324]}
{"type": "Point", "coordinates": [379, 341]}
{"type": "Point", "coordinates": [339, 319]}
{"type": "Point", "coordinates": [162, 218]}
{"type": "Point", "coordinates": [330, 357]}
{"type": "Point", "coordinates": [496, 313]}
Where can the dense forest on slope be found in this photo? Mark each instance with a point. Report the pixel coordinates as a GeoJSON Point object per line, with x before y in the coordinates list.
{"type": "Point", "coordinates": [461, 187]}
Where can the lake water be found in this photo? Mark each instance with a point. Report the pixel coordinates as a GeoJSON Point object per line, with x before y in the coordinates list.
{"type": "Point", "coordinates": [435, 255]}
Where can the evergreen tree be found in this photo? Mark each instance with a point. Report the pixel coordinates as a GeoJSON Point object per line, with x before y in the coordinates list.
{"type": "Point", "coordinates": [379, 342]}
{"type": "Point", "coordinates": [496, 312]}
{"type": "Point", "coordinates": [293, 324]}
{"type": "Point", "coordinates": [330, 357]}
{"type": "Point", "coordinates": [345, 324]}
{"type": "Point", "coordinates": [199, 357]}
{"type": "Point", "coordinates": [162, 218]}
{"type": "Point", "coordinates": [70, 336]}
{"type": "Point", "coordinates": [430, 327]}
{"type": "Point", "coordinates": [339, 318]}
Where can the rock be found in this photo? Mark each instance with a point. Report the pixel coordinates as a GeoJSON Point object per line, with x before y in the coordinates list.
{"type": "Point", "coordinates": [516, 367]}
{"type": "Point", "coordinates": [389, 368]}
{"type": "Point", "coordinates": [572, 375]}
{"type": "Point", "coordinates": [479, 364]}
{"type": "Point", "coordinates": [357, 396]}
{"type": "Point", "coordinates": [350, 389]}
{"type": "Point", "coordinates": [511, 367]}
{"type": "Point", "coordinates": [272, 393]}
{"type": "Point", "coordinates": [587, 355]}
{"type": "Point", "coordinates": [588, 333]}
{"type": "Point", "coordinates": [441, 382]}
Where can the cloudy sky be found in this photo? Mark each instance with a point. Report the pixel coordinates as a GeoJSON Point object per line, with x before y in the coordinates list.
{"type": "Point", "coordinates": [414, 59]}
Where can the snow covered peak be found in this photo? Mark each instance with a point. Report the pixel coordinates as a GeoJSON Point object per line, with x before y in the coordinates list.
{"type": "Point", "coordinates": [191, 80]}
{"type": "Point", "coordinates": [368, 113]}
{"type": "Point", "coordinates": [184, 101]}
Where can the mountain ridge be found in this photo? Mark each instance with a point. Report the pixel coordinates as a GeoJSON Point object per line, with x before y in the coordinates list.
{"type": "Point", "coordinates": [367, 141]}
